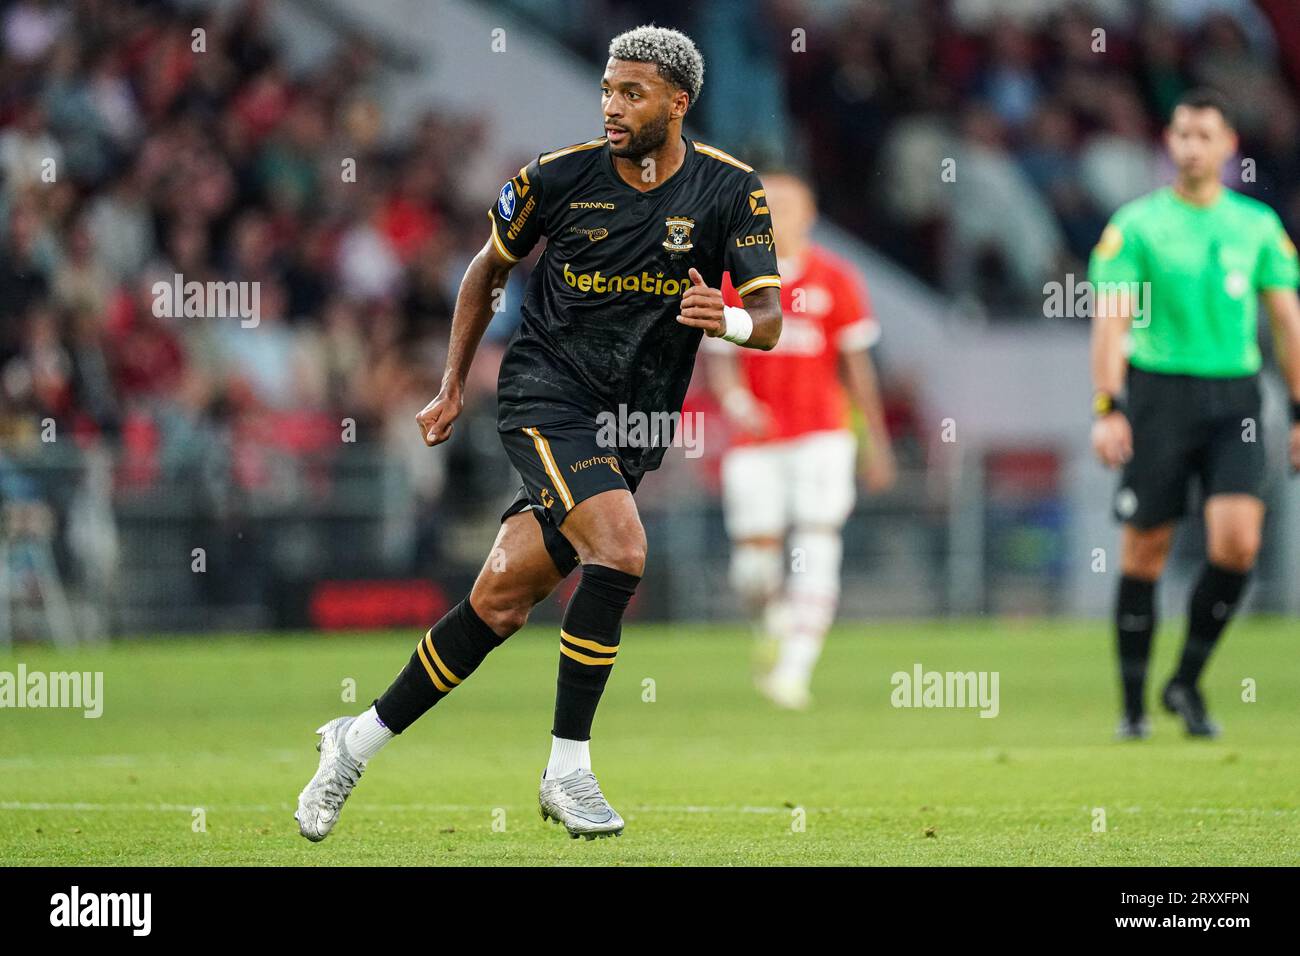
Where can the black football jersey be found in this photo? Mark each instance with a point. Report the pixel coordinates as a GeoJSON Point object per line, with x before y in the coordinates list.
{"type": "Point", "coordinates": [599, 332]}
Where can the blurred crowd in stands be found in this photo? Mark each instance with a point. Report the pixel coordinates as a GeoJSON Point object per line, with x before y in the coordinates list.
{"type": "Point", "coordinates": [1054, 122]}
{"type": "Point", "coordinates": [1052, 111]}
{"type": "Point", "coordinates": [139, 142]}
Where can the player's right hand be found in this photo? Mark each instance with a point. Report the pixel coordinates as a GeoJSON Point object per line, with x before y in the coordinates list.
{"type": "Point", "coordinates": [1112, 439]}
{"type": "Point", "coordinates": [436, 419]}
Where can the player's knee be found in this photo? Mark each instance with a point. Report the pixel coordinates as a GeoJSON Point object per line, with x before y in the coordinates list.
{"type": "Point", "coordinates": [1144, 557]}
{"type": "Point", "coordinates": [507, 619]}
{"type": "Point", "coordinates": [1235, 551]}
{"type": "Point", "coordinates": [623, 552]}
{"type": "Point", "coordinates": [504, 612]}
{"type": "Point", "coordinates": [629, 559]}
{"type": "Point", "coordinates": [756, 571]}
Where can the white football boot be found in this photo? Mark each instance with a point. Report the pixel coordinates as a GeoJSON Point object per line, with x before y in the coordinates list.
{"type": "Point", "coordinates": [575, 800]}
{"type": "Point", "coordinates": [322, 799]}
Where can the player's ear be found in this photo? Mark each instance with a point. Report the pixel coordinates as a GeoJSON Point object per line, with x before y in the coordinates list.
{"type": "Point", "coordinates": [681, 103]}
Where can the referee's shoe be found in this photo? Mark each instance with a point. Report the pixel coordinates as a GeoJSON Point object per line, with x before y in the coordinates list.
{"type": "Point", "coordinates": [1186, 701]}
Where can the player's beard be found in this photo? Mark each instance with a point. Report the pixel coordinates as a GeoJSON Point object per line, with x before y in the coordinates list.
{"type": "Point", "coordinates": [644, 141]}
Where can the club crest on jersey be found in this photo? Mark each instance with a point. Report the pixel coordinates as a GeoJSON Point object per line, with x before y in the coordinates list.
{"type": "Point", "coordinates": [506, 201]}
{"type": "Point", "coordinates": [679, 234]}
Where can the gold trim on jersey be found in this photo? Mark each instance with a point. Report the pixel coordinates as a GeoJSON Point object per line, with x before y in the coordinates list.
{"type": "Point", "coordinates": [576, 148]}
{"type": "Point", "coordinates": [758, 282]}
{"type": "Point", "coordinates": [548, 462]}
{"type": "Point", "coordinates": [496, 240]}
{"type": "Point", "coordinates": [716, 153]}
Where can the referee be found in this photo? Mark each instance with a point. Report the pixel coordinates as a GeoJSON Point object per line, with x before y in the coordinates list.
{"type": "Point", "coordinates": [1176, 276]}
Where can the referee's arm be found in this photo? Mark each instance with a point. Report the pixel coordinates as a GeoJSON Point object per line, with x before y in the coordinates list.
{"type": "Point", "coordinates": [1112, 436]}
{"type": "Point", "coordinates": [1284, 313]}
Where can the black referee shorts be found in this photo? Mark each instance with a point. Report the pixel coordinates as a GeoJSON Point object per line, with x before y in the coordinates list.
{"type": "Point", "coordinates": [1187, 427]}
{"type": "Point", "coordinates": [562, 465]}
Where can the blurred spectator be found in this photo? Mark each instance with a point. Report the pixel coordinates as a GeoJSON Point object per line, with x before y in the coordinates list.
{"type": "Point", "coordinates": [128, 159]}
{"type": "Point", "coordinates": [1058, 104]}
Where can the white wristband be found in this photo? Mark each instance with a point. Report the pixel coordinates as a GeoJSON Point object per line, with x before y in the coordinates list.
{"type": "Point", "coordinates": [739, 326]}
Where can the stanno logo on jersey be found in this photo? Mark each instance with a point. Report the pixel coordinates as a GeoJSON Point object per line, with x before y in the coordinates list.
{"type": "Point", "coordinates": [758, 202]}
{"type": "Point", "coordinates": [591, 205]}
{"type": "Point", "coordinates": [679, 234]}
{"type": "Point", "coordinates": [506, 201]}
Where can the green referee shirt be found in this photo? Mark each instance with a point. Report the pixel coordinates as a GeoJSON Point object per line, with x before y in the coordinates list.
{"type": "Point", "coordinates": [1206, 266]}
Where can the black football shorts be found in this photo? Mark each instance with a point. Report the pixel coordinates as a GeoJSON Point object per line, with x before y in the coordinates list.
{"type": "Point", "coordinates": [1187, 427]}
{"type": "Point", "coordinates": [562, 465]}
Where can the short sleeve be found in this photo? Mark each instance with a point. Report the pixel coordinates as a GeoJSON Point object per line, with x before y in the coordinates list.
{"type": "Point", "coordinates": [1118, 255]}
{"type": "Point", "coordinates": [517, 215]}
{"type": "Point", "coordinates": [1278, 267]}
{"type": "Point", "coordinates": [856, 328]}
{"type": "Point", "coordinates": [750, 256]}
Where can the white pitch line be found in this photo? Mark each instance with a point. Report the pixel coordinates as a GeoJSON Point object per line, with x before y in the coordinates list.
{"type": "Point", "coordinates": [368, 808]}
{"type": "Point", "coordinates": [139, 760]}
{"type": "Point", "coordinates": [479, 808]}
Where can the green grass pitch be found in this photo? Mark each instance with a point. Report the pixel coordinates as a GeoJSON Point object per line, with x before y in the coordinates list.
{"type": "Point", "coordinates": [705, 773]}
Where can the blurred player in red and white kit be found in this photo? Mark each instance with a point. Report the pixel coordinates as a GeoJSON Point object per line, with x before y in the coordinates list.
{"type": "Point", "coordinates": [791, 471]}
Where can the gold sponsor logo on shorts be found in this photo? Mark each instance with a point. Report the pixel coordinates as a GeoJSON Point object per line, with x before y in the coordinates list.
{"type": "Point", "coordinates": [547, 500]}
{"type": "Point", "coordinates": [610, 460]}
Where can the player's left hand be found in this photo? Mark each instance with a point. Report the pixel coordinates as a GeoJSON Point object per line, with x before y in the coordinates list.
{"type": "Point", "coordinates": [879, 470]}
{"type": "Point", "coordinates": [702, 307]}
{"type": "Point", "coordinates": [1295, 447]}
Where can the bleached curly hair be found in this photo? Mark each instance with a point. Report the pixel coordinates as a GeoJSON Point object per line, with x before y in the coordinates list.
{"type": "Point", "coordinates": [672, 51]}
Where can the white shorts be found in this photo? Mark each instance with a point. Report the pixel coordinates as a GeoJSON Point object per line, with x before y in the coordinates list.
{"type": "Point", "coordinates": [809, 481]}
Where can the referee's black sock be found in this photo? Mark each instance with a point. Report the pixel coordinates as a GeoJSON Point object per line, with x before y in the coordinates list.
{"type": "Point", "coordinates": [1214, 600]}
{"type": "Point", "coordinates": [1135, 623]}
{"type": "Point", "coordinates": [447, 654]}
{"type": "Point", "coordinates": [588, 644]}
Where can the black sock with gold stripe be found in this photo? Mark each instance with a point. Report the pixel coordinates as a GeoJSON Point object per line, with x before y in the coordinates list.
{"type": "Point", "coordinates": [588, 643]}
{"type": "Point", "coordinates": [445, 656]}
